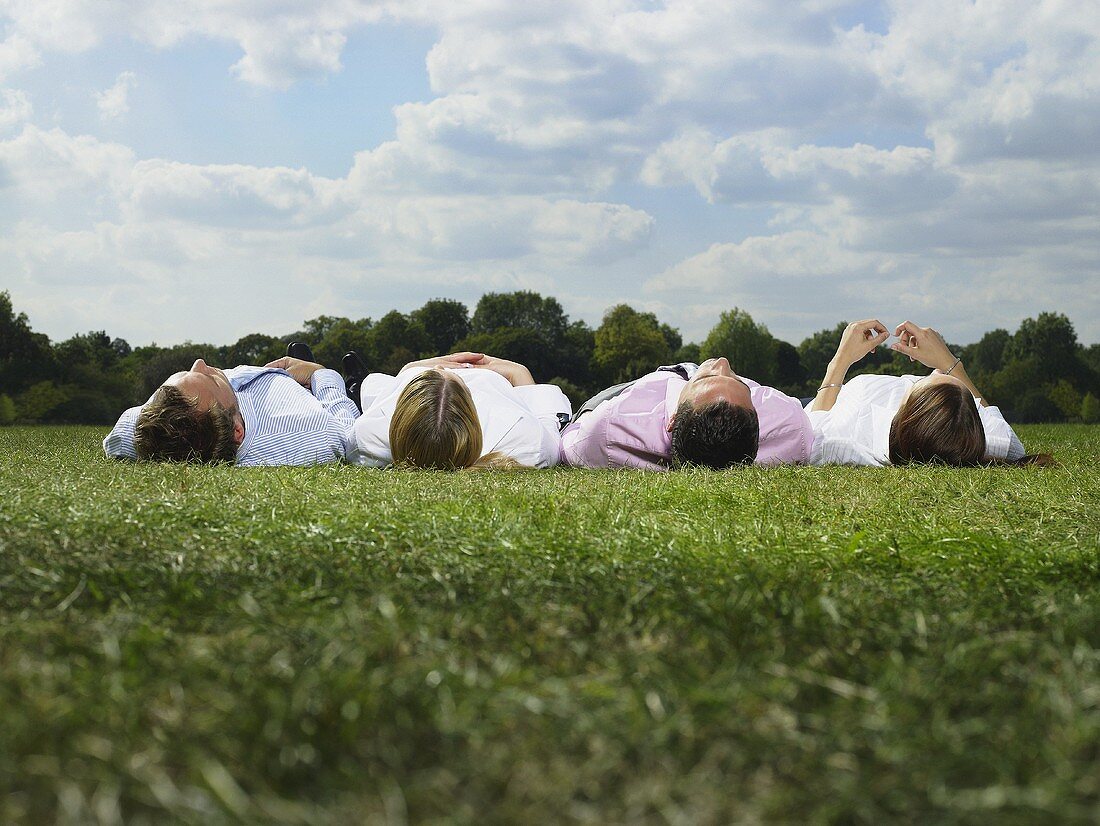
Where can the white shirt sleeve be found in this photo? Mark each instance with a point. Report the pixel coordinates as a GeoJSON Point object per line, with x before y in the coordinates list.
{"type": "Point", "coordinates": [1001, 441]}
{"type": "Point", "coordinates": [546, 401]}
{"type": "Point", "coordinates": [369, 442]}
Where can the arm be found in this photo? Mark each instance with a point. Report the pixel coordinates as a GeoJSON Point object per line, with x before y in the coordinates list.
{"type": "Point", "coordinates": [859, 339]}
{"type": "Point", "coordinates": [927, 346]}
{"type": "Point", "coordinates": [516, 373]}
{"type": "Point", "coordinates": [119, 443]}
{"type": "Point", "coordinates": [465, 358]}
{"type": "Point", "coordinates": [326, 385]}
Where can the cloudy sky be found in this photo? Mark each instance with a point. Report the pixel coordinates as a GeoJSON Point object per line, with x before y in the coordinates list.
{"type": "Point", "coordinates": [203, 169]}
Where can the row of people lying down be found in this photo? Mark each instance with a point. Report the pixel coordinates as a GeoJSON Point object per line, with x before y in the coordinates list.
{"type": "Point", "coordinates": [473, 410]}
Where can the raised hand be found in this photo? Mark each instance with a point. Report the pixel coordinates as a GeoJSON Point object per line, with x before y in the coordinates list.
{"type": "Point", "coordinates": [923, 344]}
{"type": "Point", "coordinates": [859, 339]}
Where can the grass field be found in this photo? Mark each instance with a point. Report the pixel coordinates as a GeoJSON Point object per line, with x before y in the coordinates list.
{"type": "Point", "coordinates": [344, 645]}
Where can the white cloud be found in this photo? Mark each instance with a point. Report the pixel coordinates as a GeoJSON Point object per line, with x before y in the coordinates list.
{"type": "Point", "coordinates": [113, 102]}
{"type": "Point", "coordinates": [955, 150]}
{"type": "Point", "coordinates": [15, 108]}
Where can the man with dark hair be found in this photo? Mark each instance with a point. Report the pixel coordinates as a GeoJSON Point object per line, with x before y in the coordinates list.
{"type": "Point", "coordinates": [688, 414]}
{"type": "Point", "coordinates": [289, 412]}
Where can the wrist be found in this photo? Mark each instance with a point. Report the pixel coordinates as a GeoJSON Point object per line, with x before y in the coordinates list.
{"type": "Point", "coordinates": [837, 370]}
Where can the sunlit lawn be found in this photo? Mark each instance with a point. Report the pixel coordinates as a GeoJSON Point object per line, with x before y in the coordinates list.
{"type": "Point", "coordinates": [344, 645]}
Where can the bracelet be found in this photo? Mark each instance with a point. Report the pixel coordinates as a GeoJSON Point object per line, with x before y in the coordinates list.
{"type": "Point", "coordinates": [953, 366]}
{"type": "Point", "coordinates": [827, 386]}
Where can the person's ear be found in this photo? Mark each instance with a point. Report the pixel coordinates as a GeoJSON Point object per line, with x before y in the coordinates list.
{"type": "Point", "coordinates": [238, 430]}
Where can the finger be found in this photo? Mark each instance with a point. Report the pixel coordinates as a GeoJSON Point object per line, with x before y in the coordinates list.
{"type": "Point", "coordinates": [279, 362]}
{"type": "Point", "coordinates": [908, 327]}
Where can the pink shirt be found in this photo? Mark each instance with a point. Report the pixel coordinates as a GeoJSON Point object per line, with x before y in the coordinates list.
{"type": "Point", "coordinates": [631, 430]}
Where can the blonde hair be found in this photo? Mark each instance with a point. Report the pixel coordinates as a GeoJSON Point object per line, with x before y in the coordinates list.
{"type": "Point", "coordinates": [435, 425]}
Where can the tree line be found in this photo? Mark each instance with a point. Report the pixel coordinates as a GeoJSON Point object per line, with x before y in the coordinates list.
{"type": "Point", "coordinates": [1039, 373]}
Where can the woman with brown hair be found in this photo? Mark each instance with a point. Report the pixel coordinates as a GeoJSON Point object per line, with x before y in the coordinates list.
{"type": "Point", "coordinates": [878, 420]}
{"type": "Point", "coordinates": [465, 410]}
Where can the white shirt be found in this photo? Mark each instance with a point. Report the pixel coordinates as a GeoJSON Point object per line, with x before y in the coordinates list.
{"type": "Point", "coordinates": [520, 422]}
{"type": "Point", "coordinates": [857, 430]}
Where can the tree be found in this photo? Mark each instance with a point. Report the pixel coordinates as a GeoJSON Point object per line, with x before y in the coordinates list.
{"type": "Point", "coordinates": [818, 350]}
{"type": "Point", "coordinates": [1090, 409]}
{"type": "Point", "coordinates": [340, 337]}
{"type": "Point", "coordinates": [629, 344]}
{"type": "Point", "coordinates": [1049, 339]}
{"type": "Point", "coordinates": [7, 409]}
{"type": "Point", "coordinates": [671, 334]}
{"type": "Point", "coordinates": [749, 346]}
{"type": "Point", "coordinates": [522, 310]}
{"type": "Point", "coordinates": [38, 402]}
{"type": "Point", "coordinates": [394, 332]}
{"type": "Point", "coordinates": [575, 362]}
{"type": "Point", "coordinates": [152, 365]}
{"type": "Point", "coordinates": [1066, 399]}
{"type": "Point", "coordinates": [790, 377]}
{"type": "Point", "coordinates": [446, 322]}
{"type": "Point", "coordinates": [25, 356]}
{"type": "Point", "coordinates": [255, 348]}
{"type": "Point", "coordinates": [687, 352]}
{"type": "Point", "coordinates": [987, 356]}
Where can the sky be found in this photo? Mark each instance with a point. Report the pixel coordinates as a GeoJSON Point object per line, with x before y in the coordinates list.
{"type": "Point", "coordinates": [199, 170]}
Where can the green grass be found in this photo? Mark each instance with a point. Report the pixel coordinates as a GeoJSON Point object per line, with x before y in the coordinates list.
{"type": "Point", "coordinates": [345, 645]}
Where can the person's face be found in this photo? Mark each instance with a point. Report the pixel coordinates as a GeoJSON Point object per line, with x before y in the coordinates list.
{"type": "Point", "coordinates": [205, 383]}
{"type": "Point", "coordinates": [715, 381]}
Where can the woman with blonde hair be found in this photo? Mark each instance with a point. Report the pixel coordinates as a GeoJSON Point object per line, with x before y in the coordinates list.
{"type": "Point", "coordinates": [465, 410]}
{"type": "Point", "coordinates": [877, 419]}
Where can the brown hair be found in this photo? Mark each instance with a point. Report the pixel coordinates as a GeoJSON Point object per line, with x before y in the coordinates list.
{"type": "Point", "coordinates": [170, 429]}
{"type": "Point", "coordinates": [938, 423]}
{"type": "Point", "coordinates": [435, 425]}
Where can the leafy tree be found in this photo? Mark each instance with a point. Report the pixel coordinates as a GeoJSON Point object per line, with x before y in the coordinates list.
{"type": "Point", "coordinates": [340, 337]}
{"type": "Point", "coordinates": [749, 346]}
{"type": "Point", "coordinates": [1049, 339]}
{"type": "Point", "coordinates": [446, 322]}
{"type": "Point", "coordinates": [987, 356]}
{"type": "Point", "coordinates": [1017, 380]}
{"type": "Point", "coordinates": [255, 348]}
{"type": "Point", "coordinates": [152, 365]}
{"type": "Point", "coordinates": [7, 409]}
{"type": "Point", "coordinates": [1066, 398]}
{"type": "Point", "coordinates": [818, 350]}
{"type": "Point", "coordinates": [394, 332]}
{"type": "Point", "coordinates": [629, 344]}
{"type": "Point", "coordinates": [686, 352]}
{"type": "Point", "coordinates": [1035, 406]}
{"type": "Point", "coordinates": [522, 310]}
{"type": "Point", "coordinates": [316, 329]}
{"type": "Point", "coordinates": [25, 356]}
{"type": "Point", "coordinates": [38, 402]}
{"type": "Point", "coordinates": [790, 376]}
{"type": "Point", "coordinates": [575, 362]}
{"type": "Point", "coordinates": [1090, 409]}
{"type": "Point", "coordinates": [671, 334]}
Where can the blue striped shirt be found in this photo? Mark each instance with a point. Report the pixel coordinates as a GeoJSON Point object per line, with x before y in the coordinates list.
{"type": "Point", "coordinates": [284, 424]}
